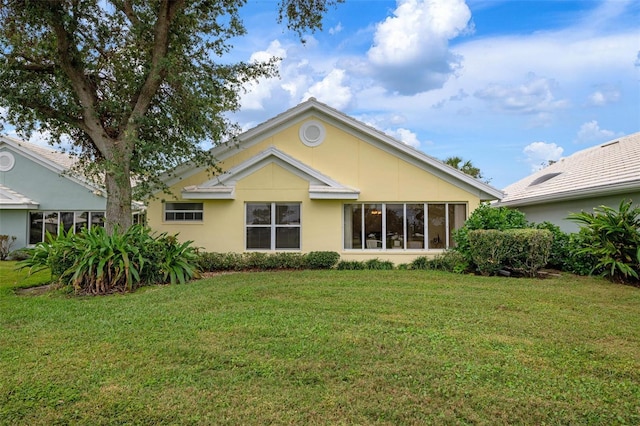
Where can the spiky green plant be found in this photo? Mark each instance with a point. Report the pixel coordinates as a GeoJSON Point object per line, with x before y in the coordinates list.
{"type": "Point", "coordinates": [613, 238]}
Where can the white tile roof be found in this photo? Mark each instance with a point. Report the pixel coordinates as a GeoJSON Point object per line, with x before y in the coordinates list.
{"type": "Point", "coordinates": [610, 168]}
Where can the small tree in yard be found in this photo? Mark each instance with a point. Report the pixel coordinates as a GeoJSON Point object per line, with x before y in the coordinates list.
{"type": "Point", "coordinates": [133, 85]}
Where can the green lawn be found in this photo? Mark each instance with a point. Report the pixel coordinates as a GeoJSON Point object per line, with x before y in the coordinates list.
{"type": "Point", "coordinates": [324, 347]}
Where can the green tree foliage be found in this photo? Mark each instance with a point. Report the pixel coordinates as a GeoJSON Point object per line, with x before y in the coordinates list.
{"type": "Point", "coordinates": [465, 167]}
{"type": "Point", "coordinates": [612, 237]}
{"type": "Point", "coordinates": [134, 85]}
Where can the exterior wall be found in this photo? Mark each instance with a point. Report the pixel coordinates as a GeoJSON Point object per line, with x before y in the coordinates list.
{"type": "Point", "coordinates": [557, 213]}
{"type": "Point", "coordinates": [53, 192]}
{"type": "Point", "coordinates": [14, 223]}
{"type": "Point", "coordinates": [380, 176]}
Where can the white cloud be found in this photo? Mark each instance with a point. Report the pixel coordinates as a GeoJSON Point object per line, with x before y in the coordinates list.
{"type": "Point", "coordinates": [405, 136]}
{"type": "Point", "coordinates": [591, 133]}
{"type": "Point", "coordinates": [335, 30]}
{"type": "Point", "coordinates": [531, 97]}
{"type": "Point", "coordinates": [410, 52]}
{"type": "Point", "coordinates": [261, 90]}
{"type": "Point", "coordinates": [540, 153]}
{"type": "Point", "coordinates": [331, 90]}
{"type": "Point", "coordinates": [604, 96]}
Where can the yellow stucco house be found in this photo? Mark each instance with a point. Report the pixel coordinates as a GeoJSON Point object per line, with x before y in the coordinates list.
{"type": "Point", "coordinates": [315, 179]}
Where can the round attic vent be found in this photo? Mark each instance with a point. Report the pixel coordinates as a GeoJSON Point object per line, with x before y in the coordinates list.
{"type": "Point", "coordinates": [6, 161]}
{"type": "Point", "coordinates": [312, 133]}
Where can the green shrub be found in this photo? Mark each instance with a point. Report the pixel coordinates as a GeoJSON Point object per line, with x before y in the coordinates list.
{"type": "Point", "coordinates": [288, 260]}
{"type": "Point", "coordinates": [213, 262]}
{"type": "Point", "coordinates": [420, 263]}
{"type": "Point", "coordinates": [578, 261]}
{"type": "Point", "coordinates": [559, 248]}
{"type": "Point", "coordinates": [529, 250]}
{"type": "Point", "coordinates": [488, 249]}
{"type": "Point", "coordinates": [95, 262]}
{"type": "Point", "coordinates": [487, 217]}
{"type": "Point", "coordinates": [524, 251]}
{"type": "Point", "coordinates": [613, 238]}
{"type": "Point", "coordinates": [377, 264]}
{"type": "Point", "coordinates": [350, 265]}
{"type": "Point", "coordinates": [321, 259]}
{"type": "Point", "coordinates": [450, 261]}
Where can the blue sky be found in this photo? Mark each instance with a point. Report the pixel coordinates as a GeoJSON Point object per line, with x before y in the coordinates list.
{"type": "Point", "coordinates": [506, 84]}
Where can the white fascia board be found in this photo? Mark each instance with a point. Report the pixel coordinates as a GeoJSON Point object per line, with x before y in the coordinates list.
{"type": "Point", "coordinates": [327, 193]}
{"type": "Point", "coordinates": [212, 193]}
{"type": "Point", "coordinates": [18, 206]}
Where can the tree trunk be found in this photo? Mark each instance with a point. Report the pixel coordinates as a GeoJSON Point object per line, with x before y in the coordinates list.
{"type": "Point", "coordinates": [118, 185]}
{"type": "Point", "coordinates": [118, 214]}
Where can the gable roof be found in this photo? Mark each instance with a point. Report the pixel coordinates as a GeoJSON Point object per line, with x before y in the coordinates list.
{"type": "Point", "coordinates": [607, 169]}
{"type": "Point", "coordinates": [223, 186]}
{"type": "Point", "coordinates": [313, 108]}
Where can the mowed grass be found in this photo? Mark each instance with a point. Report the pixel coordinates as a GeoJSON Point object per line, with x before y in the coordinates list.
{"type": "Point", "coordinates": [325, 347]}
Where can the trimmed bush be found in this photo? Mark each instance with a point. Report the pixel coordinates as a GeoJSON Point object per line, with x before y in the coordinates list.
{"type": "Point", "coordinates": [487, 217]}
{"type": "Point", "coordinates": [488, 250]}
{"type": "Point", "coordinates": [524, 251]}
{"type": "Point", "coordinates": [529, 250]}
{"type": "Point", "coordinates": [266, 261]}
{"type": "Point", "coordinates": [321, 259]}
{"type": "Point", "coordinates": [559, 247]}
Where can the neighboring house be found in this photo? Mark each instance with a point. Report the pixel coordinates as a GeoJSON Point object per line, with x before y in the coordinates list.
{"type": "Point", "coordinates": [39, 194]}
{"type": "Point", "coordinates": [602, 175]}
{"type": "Point", "coordinates": [313, 179]}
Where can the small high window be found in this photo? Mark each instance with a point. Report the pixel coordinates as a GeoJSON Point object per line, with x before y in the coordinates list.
{"type": "Point", "coordinates": [183, 212]}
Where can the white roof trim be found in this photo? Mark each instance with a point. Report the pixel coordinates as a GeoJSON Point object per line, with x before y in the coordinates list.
{"type": "Point", "coordinates": [12, 200]}
{"type": "Point", "coordinates": [223, 186]}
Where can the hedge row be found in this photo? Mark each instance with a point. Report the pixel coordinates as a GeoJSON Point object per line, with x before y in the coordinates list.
{"type": "Point", "coordinates": [524, 251]}
{"type": "Point", "coordinates": [212, 262]}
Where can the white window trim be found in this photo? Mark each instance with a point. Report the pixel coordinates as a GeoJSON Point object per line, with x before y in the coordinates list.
{"type": "Point", "coordinates": [273, 226]}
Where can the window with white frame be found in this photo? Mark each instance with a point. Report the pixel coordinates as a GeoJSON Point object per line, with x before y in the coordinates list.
{"type": "Point", "coordinates": [43, 222]}
{"type": "Point", "coordinates": [272, 226]}
{"type": "Point", "coordinates": [402, 226]}
{"type": "Point", "coordinates": [183, 212]}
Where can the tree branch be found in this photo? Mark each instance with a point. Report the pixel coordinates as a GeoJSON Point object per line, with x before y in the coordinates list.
{"type": "Point", "coordinates": [157, 72]}
{"type": "Point", "coordinates": [127, 8]}
{"type": "Point", "coordinates": [74, 69]}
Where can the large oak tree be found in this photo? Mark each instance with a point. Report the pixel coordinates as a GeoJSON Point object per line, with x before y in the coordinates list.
{"type": "Point", "coordinates": [135, 85]}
